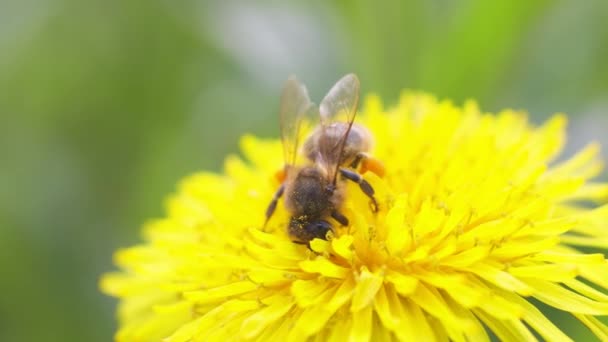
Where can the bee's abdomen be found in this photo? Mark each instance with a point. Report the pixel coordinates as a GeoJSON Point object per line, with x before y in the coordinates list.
{"type": "Point", "coordinates": [308, 195]}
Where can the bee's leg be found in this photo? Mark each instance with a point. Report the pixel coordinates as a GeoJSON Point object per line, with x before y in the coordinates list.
{"type": "Point", "coordinates": [339, 217]}
{"type": "Point", "coordinates": [273, 204]}
{"type": "Point", "coordinates": [368, 163]}
{"type": "Point", "coordinates": [363, 184]}
{"type": "Point", "coordinates": [357, 160]}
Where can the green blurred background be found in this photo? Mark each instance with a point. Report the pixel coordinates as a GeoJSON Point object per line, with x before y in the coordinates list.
{"type": "Point", "coordinates": [106, 104]}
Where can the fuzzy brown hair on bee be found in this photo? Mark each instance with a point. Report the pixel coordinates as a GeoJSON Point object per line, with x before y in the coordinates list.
{"type": "Point", "coordinates": [313, 193]}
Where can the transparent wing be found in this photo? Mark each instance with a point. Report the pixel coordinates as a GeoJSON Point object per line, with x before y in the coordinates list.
{"type": "Point", "coordinates": [337, 113]}
{"type": "Point", "coordinates": [341, 101]}
{"type": "Point", "coordinates": [295, 105]}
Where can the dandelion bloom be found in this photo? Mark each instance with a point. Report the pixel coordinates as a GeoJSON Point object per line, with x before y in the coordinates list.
{"type": "Point", "coordinates": [477, 224]}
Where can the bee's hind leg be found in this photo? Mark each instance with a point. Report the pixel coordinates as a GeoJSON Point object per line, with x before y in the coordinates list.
{"type": "Point", "coordinates": [363, 184]}
{"type": "Point", "coordinates": [355, 163]}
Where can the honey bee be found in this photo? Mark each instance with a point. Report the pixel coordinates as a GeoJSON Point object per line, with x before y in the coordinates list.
{"type": "Point", "coordinates": [313, 193]}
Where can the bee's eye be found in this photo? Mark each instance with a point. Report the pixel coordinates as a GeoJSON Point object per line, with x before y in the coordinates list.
{"type": "Point", "coordinates": [319, 229]}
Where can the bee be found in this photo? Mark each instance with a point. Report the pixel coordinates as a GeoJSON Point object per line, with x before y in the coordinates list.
{"type": "Point", "coordinates": [315, 192]}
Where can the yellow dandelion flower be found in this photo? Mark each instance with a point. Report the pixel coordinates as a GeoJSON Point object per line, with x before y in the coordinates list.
{"type": "Point", "coordinates": [477, 222]}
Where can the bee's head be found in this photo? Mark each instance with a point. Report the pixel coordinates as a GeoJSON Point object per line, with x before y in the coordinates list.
{"type": "Point", "coordinates": [306, 230]}
{"type": "Point", "coordinates": [319, 229]}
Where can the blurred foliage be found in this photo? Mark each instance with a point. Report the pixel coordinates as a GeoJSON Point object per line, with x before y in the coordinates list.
{"type": "Point", "coordinates": [105, 105]}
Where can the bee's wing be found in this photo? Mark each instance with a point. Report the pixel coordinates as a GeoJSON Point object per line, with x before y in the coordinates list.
{"type": "Point", "coordinates": [342, 99]}
{"type": "Point", "coordinates": [339, 105]}
{"type": "Point", "coordinates": [295, 105]}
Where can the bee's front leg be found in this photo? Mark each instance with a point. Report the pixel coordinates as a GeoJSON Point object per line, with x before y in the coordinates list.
{"type": "Point", "coordinates": [273, 204]}
{"type": "Point", "coordinates": [339, 217]}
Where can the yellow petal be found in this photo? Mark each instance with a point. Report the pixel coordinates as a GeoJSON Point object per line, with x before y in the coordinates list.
{"type": "Point", "coordinates": [308, 292]}
{"type": "Point", "coordinates": [388, 307]}
{"type": "Point", "coordinates": [506, 330]}
{"type": "Point", "coordinates": [220, 293]}
{"type": "Point", "coordinates": [324, 267]}
{"type": "Point", "coordinates": [500, 278]}
{"type": "Point", "coordinates": [404, 284]}
{"type": "Point", "coordinates": [430, 301]}
{"type": "Point", "coordinates": [550, 272]}
{"type": "Point", "coordinates": [361, 330]}
{"type": "Point", "coordinates": [561, 298]}
{"type": "Point", "coordinates": [342, 295]}
{"type": "Point", "coordinates": [536, 319]}
{"type": "Point", "coordinates": [342, 246]}
{"type": "Point", "coordinates": [398, 237]}
{"type": "Point", "coordinates": [256, 323]}
{"type": "Point", "coordinates": [366, 288]}
{"type": "Point", "coordinates": [312, 319]}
